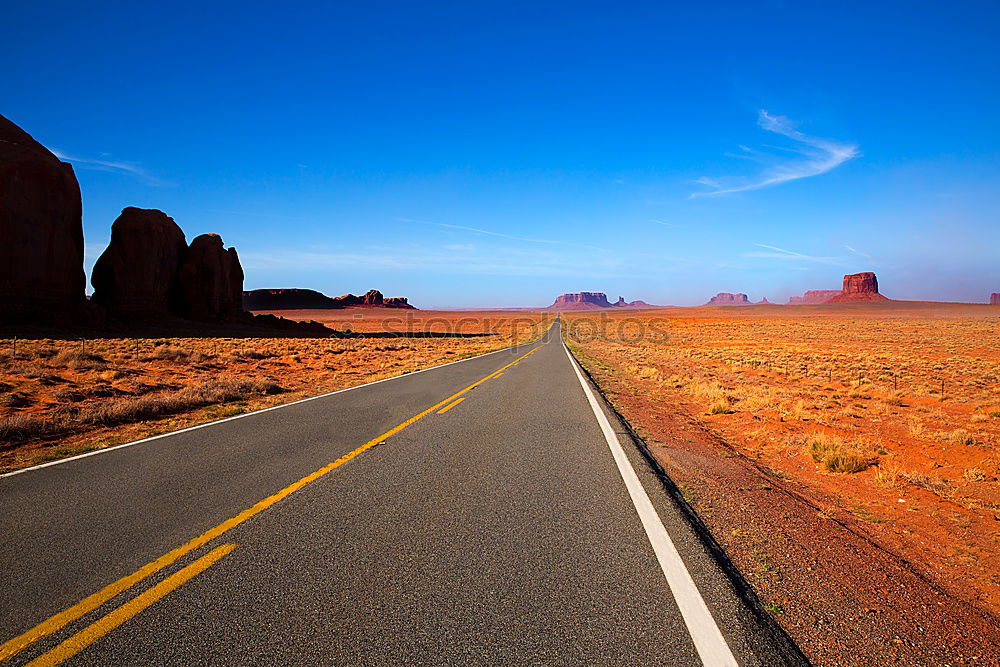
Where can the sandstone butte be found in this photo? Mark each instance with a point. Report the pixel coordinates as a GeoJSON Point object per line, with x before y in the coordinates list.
{"type": "Point", "coordinates": [813, 297]}
{"type": "Point", "coordinates": [859, 287]}
{"type": "Point", "coordinates": [727, 299]}
{"type": "Point", "coordinates": [594, 301]}
{"type": "Point", "coordinates": [149, 271]}
{"type": "Point", "coordinates": [306, 299]}
{"type": "Point", "coordinates": [41, 233]}
{"type": "Point", "coordinates": [995, 299]}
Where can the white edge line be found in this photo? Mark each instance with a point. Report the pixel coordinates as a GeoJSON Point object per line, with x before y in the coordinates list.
{"type": "Point", "coordinates": [249, 414]}
{"type": "Point", "coordinates": [705, 633]}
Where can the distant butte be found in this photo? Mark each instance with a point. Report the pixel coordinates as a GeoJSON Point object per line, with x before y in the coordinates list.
{"type": "Point", "coordinates": [727, 299]}
{"type": "Point", "coordinates": [305, 299]}
{"type": "Point", "coordinates": [995, 299]}
{"type": "Point", "coordinates": [596, 301]}
{"type": "Point", "coordinates": [813, 297]}
{"type": "Point", "coordinates": [859, 287]}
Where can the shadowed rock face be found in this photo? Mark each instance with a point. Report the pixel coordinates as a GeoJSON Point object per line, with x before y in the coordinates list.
{"type": "Point", "coordinates": [814, 296]}
{"type": "Point", "coordinates": [41, 231]}
{"type": "Point", "coordinates": [859, 287]}
{"type": "Point", "coordinates": [211, 280]}
{"type": "Point", "coordinates": [136, 276]}
{"type": "Point", "coordinates": [287, 299]}
{"type": "Point", "coordinates": [727, 299]}
{"type": "Point", "coordinates": [995, 299]}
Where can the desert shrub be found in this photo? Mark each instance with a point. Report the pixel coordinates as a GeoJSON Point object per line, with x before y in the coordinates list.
{"type": "Point", "coordinates": [169, 353]}
{"type": "Point", "coordinates": [125, 410]}
{"type": "Point", "coordinates": [79, 360]}
{"type": "Point", "coordinates": [974, 475]}
{"type": "Point", "coordinates": [933, 484]}
{"type": "Point", "coordinates": [252, 354]}
{"type": "Point", "coordinates": [961, 437]}
{"type": "Point", "coordinates": [836, 455]}
{"type": "Point", "coordinates": [18, 427]}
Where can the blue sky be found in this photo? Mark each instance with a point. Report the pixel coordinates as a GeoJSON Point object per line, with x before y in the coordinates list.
{"type": "Point", "coordinates": [501, 153]}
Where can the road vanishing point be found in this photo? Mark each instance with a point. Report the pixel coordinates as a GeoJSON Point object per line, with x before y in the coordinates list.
{"type": "Point", "coordinates": [490, 511]}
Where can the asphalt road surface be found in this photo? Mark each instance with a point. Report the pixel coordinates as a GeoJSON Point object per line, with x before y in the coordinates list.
{"type": "Point", "coordinates": [491, 511]}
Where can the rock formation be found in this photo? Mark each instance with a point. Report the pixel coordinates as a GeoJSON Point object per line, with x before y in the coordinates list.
{"type": "Point", "coordinates": [299, 299]}
{"type": "Point", "coordinates": [136, 276]}
{"type": "Point", "coordinates": [995, 299]}
{"type": "Point", "coordinates": [859, 287]}
{"type": "Point", "coordinates": [763, 302]}
{"type": "Point", "coordinates": [211, 280]}
{"type": "Point", "coordinates": [727, 299]}
{"type": "Point", "coordinates": [41, 232]}
{"type": "Point", "coordinates": [595, 301]}
{"type": "Point", "coordinates": [813, 297]}
{"type": "Point", "coordinates": [581, 301]}
{"type": "Point", "coordinates": [287, 299]}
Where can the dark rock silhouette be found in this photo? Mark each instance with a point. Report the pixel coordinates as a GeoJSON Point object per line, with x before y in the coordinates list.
{"type": "Point", "coordinates": [859, 287]}
{"type": "Point", "coordinates": [300, 299]}
{"type": "Point", "coordinates": [287, 299]}
{"type": "Point", "coordinates": [136, 276]}
{"type": "Point", "coordinates": [727, 299]}
{"type": "Point", "coordinates": [41, 233]}
{"type": "Point", "coordinates": [814, 297]}
{"type": "Point", "coordinates": [211, 280]}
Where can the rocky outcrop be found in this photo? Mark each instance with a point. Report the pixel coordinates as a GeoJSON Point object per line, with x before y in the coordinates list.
{"type": "Point", "coordinates": [815, 296]}
{"type": "Point", "coordinates": [995, 299]}
{"type": "Point", "coordinates": [287, 299]}
{"type": "Point", "coordinates": [302, 299]}
{"type": "Point", "coordinates": [136, 276]}
{"type": "Point", "coordinates": [595, 301]}
{"type": "Point", "coordinates": [763, 302]}
{"type": "Point", "coordinates": [859, 287]}
{"type": "Point", "coordinates": [148, 271]}
{"type": "Point", "coordinates": [41, 232]}
{"type": "Point", "coordinates": [581, 301]}
{"type": "Point", "coordinates": [211, 280]}
{"type": "Point", "coordinates": [727, 299]}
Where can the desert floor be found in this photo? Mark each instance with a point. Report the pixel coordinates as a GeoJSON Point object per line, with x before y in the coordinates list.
{"type": "Point", "coordinates": [60, 398]}
{"type": "Point", "coordinates": [805, 436]}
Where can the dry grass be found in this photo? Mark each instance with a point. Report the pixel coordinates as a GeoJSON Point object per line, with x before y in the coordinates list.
{"type": "Point", "coordinates": [897, 416]}
{"type": "Point", "coordinates": [58, 395]}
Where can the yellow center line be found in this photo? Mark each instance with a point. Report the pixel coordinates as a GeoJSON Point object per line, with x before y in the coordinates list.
{"type": "Point", "coordinates": [55, 623]}
{"type": "Point", "coordinates": [98, 629]}
{"type": "Point", "coordinates": [450, 406]}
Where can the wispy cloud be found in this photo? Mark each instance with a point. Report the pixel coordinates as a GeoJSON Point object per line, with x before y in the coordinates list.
{"type": "Point", "coordinates": [774, 252]}
{"type": "Point", "coordinates": [109, 165]}
{"type": "Point", "coordinates": [661, 222]}
{"type": "Point", "coordinates": [813, 156]}
{"type": "Point", "coordinates": [858, 252]}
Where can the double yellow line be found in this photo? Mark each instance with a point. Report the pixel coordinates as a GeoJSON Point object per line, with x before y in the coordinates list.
{"type": "Point", "coordinates": [88, 635]}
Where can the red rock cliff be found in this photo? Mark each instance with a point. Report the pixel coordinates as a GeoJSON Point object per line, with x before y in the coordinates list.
{"type": "Point", "coordinates": [137, 274]}
{"type": "Point", "coordinates": [859, 287]}
{"type": "Point", "coordinates": [41, 231]}
{"type": "Point", "coordinates": [814, 296]}
{"type": "Point", "coordinates": [995, 299]}
{"type": "Point", "coordinates": [727, 299]}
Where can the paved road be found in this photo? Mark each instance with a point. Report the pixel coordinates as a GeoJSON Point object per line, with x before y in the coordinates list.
{"type": "Point", "coordinates": [501, 529]}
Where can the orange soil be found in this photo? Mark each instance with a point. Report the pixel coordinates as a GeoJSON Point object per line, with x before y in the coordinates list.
{"type": "Point", "coordinates": [50, 383]}
{"type": "Point", "coordinates": [762, 381]}
{"type": "Point", "coordinates": [362, 320]}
